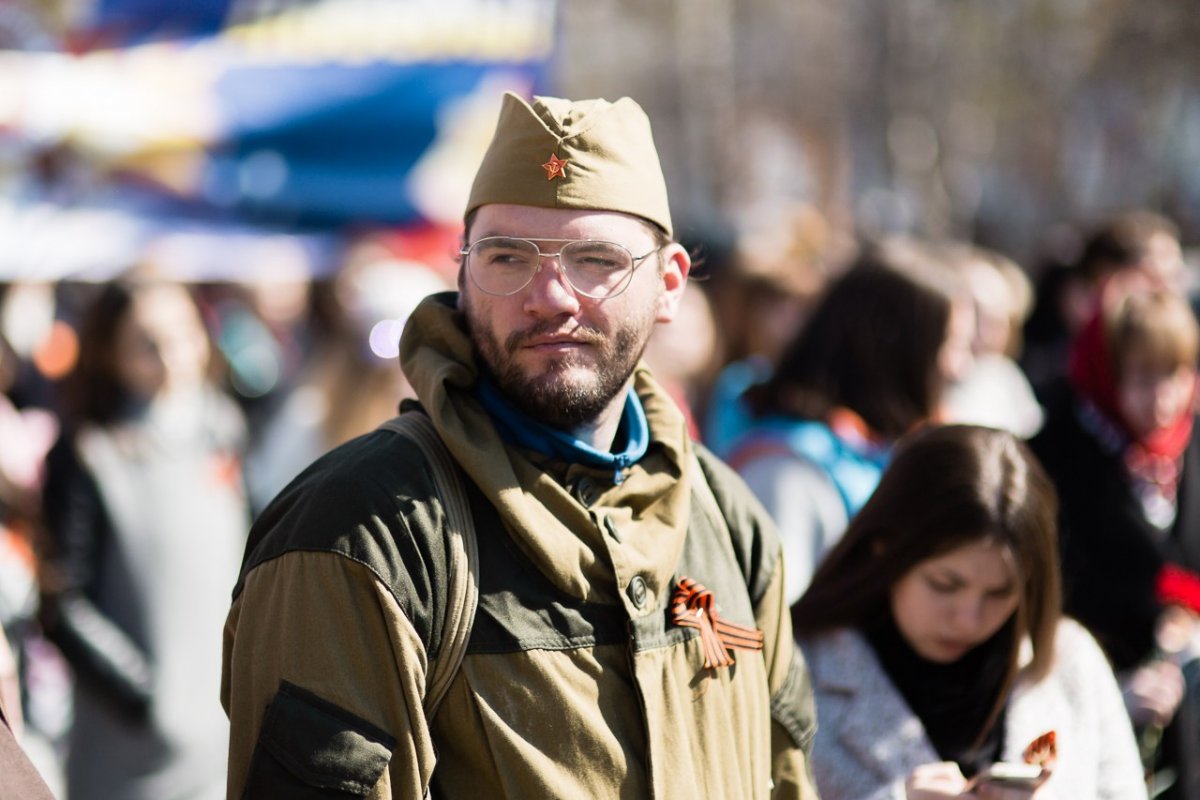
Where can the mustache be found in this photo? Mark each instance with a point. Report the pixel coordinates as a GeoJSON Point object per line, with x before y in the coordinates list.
{"type": "Point", "coordinates": [516, 340]}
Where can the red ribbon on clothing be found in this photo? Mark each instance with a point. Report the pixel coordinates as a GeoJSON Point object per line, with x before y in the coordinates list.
{"type": "Point", "coordinates": [694, 606]}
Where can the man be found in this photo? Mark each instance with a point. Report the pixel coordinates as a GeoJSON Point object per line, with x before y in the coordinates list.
{"type": "Point", "coordinates": [631, 638]}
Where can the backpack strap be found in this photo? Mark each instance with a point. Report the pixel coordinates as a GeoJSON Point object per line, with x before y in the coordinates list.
{"type": "Point", "coordinates": [708, 500]}
{"type": "Point", "coordinates": [755, 445]}
{"type": "Point", "coordinates": [462, 588]}
{"type": "Point", "coordinates": [703, 492]}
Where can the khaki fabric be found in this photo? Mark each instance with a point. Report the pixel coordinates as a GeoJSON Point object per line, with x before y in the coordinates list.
{"type": "Point", "coordinates": [790, 765]}
{"type": "Point", "coordinates": [533, 724]}
{"type": "Point", "coordinates": [324, 622]}
{"type": "Point", "coordinates": [611, 163]}
{"type": "Point", "coordinates": [570, 687]}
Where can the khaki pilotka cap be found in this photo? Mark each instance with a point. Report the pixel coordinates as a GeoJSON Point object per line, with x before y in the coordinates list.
{"type": "Point", "coordinates": [585, 154]}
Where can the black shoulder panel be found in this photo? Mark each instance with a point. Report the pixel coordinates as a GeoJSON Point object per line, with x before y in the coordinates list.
{"type": "Point", "coordinates": [373, 501]}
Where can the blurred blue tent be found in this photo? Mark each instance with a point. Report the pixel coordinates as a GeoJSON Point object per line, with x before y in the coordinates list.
{"type": "Point", "coordinates": [306, 122]}
{"type": "Point", "coordinates": [132, 21]}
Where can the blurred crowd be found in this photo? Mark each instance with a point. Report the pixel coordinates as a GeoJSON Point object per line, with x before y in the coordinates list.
{"type": "Point", "coordinates": [144, 422]}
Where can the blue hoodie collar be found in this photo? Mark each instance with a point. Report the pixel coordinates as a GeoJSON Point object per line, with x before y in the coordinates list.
{"type": "Point", "coordinates": [518, 428]}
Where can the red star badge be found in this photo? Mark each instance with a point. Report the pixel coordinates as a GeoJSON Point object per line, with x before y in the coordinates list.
{"type": "Point", "coordinates": [556, 167]}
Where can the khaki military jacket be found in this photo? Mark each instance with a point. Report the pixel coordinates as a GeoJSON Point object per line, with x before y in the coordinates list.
{"type": "Point", "coordinates": [576, 680]}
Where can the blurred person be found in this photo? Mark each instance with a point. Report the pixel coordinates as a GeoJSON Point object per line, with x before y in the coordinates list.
{"type": "Point", "coordinates": [871, 364]}
{"type": "Point", "coordinates": [1123, 449]}
{"type": "Point", "coordinates": [19, 779]}
{"type": "Point", "coordinates": [262, 336]}
{"type": "Point", "coordinates": [682, 354]}
{"type": "Point", "coordinates": [146, 517]}
{"type": "Point", "coordinates": [351, 381]}
{"type": "Point", "coordinates": [26, 435]}
{"type": "Point", "coordinates": [38, 694]}
{"type": "Point", "coordinates": [1067, 292]}
{"type": "Point", "coordinates": [42, 346]}
{"type": "Point", "coordinates": [592, 668]}
{"type": "Point", "coordinates": [761, 300]}
{"type": "Point", "coordinates": [994, 391]}
{"type": "Point", "coordinates": [936, 642]}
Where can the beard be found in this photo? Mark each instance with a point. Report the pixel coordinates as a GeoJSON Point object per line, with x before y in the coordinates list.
{"type": "Point", "coordinates": [573, 390]}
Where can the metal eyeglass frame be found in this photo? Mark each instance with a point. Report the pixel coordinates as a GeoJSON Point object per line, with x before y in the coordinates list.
{"type": "Point", "coordinates": [636, 262]}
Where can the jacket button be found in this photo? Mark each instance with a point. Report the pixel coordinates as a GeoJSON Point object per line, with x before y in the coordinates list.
{"type": "Point", "coordinates": [585, 490]}
{"type": "Point", "coordinates": [637, 592]}
{"type": "Point", "coordinates": [611, 527]}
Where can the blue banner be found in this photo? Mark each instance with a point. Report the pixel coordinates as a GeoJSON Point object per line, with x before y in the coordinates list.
{"type": "Point", "coordinates": [325, 144]}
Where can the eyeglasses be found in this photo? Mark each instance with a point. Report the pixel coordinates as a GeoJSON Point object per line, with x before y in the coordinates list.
{"type": "Point", "coordinates": [503, 265]}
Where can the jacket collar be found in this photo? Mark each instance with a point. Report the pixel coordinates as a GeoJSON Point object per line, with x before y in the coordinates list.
{"type": "Point", "coordinates": [563, 537]}
{"type": "Point", "coordinates": [843, 663]}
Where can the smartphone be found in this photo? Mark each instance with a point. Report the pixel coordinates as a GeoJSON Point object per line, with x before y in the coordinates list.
{"type": "Point", "coordinates": [1016, 776]}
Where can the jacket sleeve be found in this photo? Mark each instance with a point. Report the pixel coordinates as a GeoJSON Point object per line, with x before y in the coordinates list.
{"type": "Point", "coordinates": [323, 681]}
{"type": "Point", "coordinates": [1121, 776]}
{"type": "Point", "coordinates": [793, 712]}
{"type": "Point", "coordinates": [100, 651]}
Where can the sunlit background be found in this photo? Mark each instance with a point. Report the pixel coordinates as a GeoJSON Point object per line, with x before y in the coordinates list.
{"type": "Point", "coordinates": [255, 139]}
{"type": "Point", "coordinates": [219, 131]}
{"type": "Point", "coordinates": [302, 165]}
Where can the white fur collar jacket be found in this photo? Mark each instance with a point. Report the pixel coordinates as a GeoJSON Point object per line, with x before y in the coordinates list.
{"type": "Point", "coordinates": [868, 740]}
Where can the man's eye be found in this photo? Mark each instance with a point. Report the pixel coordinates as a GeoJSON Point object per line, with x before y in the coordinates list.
{"type": "Point", "coordinates": [507, 259]}
{"type": "Point", "coordinates": [598, 262]}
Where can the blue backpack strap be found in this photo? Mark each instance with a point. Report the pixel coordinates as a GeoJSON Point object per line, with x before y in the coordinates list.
{"type": "Point", "coordinates": [853, 473]}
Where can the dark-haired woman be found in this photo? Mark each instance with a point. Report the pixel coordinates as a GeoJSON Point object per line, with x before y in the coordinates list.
{"type": "Point", "coordinates": [935, 641]}
{"type": "Point", "coordinates": [872, 363]}
{"type": "Point", "coordinates": [147, 516]}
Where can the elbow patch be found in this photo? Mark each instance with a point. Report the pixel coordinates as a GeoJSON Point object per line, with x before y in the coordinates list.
{"type": "Point", "coordinates": [311, 749]}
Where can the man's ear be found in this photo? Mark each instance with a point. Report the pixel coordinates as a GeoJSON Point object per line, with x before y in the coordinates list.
{"type": "Point", "coordinates": [676, 264]}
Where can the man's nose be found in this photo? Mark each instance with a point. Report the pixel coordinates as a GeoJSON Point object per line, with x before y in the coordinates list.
{"type": "Point", "coordinates": [550, 292]}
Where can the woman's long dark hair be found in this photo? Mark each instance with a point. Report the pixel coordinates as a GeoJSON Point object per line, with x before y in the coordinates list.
{"type": "Point", "coordinates": [872, 346]}
{"type": "Point", "coordinates": [946, 487]}
{"type": "Point", "coordinates": [93, 391]}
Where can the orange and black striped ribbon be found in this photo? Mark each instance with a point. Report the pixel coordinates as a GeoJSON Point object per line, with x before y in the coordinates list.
{"type": "Point", "coordinates": [694, 606]}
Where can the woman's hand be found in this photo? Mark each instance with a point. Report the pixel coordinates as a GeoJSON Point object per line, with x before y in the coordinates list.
{"type": "Point", "coordinates": [994, 792]}
{"type": "Point", "coordinates": [1152, 692]}
{"type": "Point", "coordinates": [991, 791]}
{"type": "Point", "coordinates": [935, 782]}
{"type": "Point", "coordinates": [943, 780]}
